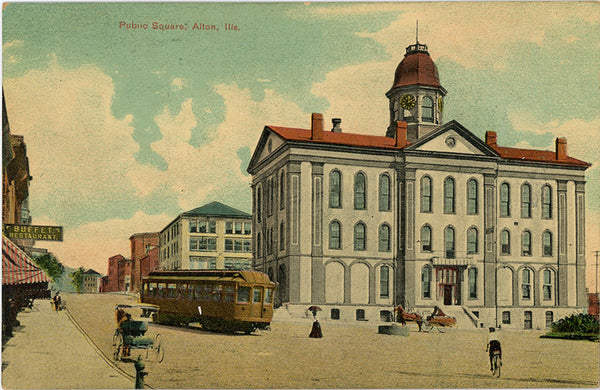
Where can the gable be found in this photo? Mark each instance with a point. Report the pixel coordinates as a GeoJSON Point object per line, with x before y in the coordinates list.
{"type": "Point", "coordinates": [268, 143]}
{"type": "Point", "coordinates": [452, 138]}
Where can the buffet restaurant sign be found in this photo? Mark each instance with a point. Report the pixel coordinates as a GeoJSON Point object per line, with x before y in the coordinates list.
{"type": "Point", "coordinates": [32, 232]}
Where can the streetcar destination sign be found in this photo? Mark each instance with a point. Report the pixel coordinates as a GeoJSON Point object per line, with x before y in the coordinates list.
{"type": "Point", "coordinates": [32, 232]}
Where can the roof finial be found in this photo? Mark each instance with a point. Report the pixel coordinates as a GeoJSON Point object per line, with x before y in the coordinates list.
{"type": "Point", "coordinates": [417, 31]}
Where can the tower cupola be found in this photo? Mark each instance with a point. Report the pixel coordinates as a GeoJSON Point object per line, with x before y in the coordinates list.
{"type": "Point", "coordinates": [416, 96]}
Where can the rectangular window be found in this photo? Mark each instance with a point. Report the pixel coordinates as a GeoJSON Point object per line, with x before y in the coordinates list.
{"type": "Point", "coordinates": [269, 295]}
{"type": "Point", "coordinates": [257, 295]}
{"type": "Point", "coordinates": [238, 228]}
{"type": "Point", "coordinates": [472, 283]}
{"type": "Point", "coordinates": [549, 319]}
{"type": "Point", "coordinates": [506, 317]}
{"type": "Point", "coordinates": [247, 228]}
{"type": "Point", "coordinates": [547, 287]}
{"type": "Point", "coordinates": [228, 245]}
{"type": "Point", "coordinates": [237, 245]}
{"type": "Point", "coordinates": [228, 227]}
{"type": "Point", "coordinates": [247, 246]}
{"type": "Point", "coordinates": [193, 226]}
{"type": "Point", "coordinates": [243, 295]}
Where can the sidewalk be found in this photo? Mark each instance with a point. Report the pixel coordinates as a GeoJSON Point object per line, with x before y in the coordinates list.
{"type": "Point", "coordinates": [49, 352]}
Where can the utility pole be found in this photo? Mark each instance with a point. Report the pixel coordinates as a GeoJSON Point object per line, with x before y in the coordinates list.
{"type": "Point", "coordinates": [596, 275]}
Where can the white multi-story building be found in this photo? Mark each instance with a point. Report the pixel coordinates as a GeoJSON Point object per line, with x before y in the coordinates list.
{"type": "Point", "coordinates": [214, 236]}
{"type": "Point", "coordinates": [429, 215]}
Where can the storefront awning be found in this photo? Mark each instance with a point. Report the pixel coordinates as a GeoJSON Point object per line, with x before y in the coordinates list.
{"type": "Point", "coordinates": [17, 267]}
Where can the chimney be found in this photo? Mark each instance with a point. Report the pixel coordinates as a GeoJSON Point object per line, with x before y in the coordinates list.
{"type": "Point", "coordinates": [337, 125]}
{"type": "Point", "coordinates": [491, 139]}
{"type": "Point", "coordinates": [561, 149]}
{"type": "Point", "coordinates": [401, 134]}
{"type": "Point", "coordinates": [316, 127]}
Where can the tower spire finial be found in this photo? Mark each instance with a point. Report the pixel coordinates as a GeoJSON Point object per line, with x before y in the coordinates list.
{"type": "Point", "coordinates": [417, 34]}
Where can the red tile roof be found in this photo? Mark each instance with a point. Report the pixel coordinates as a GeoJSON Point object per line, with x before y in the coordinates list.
{"type": "Point", "coordinates": [329, 137]}
{"type": "Point", "coordinates": [536, 155]}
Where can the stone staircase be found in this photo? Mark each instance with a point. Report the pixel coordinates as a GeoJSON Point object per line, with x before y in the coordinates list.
{"type": "Point", "coordinates": [464, 318]}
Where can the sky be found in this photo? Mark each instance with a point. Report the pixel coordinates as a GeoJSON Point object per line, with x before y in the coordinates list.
{"type": "Point", "coordinates": [128, 124]}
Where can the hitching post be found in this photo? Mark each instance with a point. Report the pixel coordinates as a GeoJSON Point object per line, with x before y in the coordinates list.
{"type": "Point", "coordinates": [139, 373]}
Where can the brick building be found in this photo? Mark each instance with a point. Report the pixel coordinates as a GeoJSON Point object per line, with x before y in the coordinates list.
{"type": "Point", "coordinates": [119, 274]}
{"type": "Point", "coordinates": [141, 245]}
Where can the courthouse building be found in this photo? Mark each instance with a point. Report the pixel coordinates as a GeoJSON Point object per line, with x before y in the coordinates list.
{"type": "Point", "coordinates": [213, 236]}
{"type": "Point", "coordinates": [427, 215]}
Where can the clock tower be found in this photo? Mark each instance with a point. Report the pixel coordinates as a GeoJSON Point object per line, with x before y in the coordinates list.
{"type": "Point", "coordinates": [416, 97]}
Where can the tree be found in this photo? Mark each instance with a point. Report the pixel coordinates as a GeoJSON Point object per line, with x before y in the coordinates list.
{"type": "Point", "coordinates": [77, 279]}
{"type": "Point", "coordinates": [51, 266]}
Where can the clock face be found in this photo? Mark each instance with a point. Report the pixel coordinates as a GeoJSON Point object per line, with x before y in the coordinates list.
{"type": "Point", "coordinates": [407, 101]}
{"type": "Point", "coordinates": [441, 103]}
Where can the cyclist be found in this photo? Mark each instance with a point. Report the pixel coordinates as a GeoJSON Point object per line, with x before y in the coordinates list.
{"type": "Point", "coordinates": [493, 345]}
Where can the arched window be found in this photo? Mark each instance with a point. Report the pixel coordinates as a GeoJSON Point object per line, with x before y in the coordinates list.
{"type": "Point", "coordinates": [360, 193]}
{"type": "Point", "coordinates": [426, 238]}
{"type": "Point", "coordinates": [258, 204]}
{"type": "Point", "coordinates": [526, 284]}
{"type": "Point", "coordinates": [472, 241]}
{"type": "Point", "coordinates": [360, 239]}
{"type": "Point", "coordinates": [384, 238]}
{"type": "Point", "coordinates": [472, 275]}
{"type": "Point", "coordinates": [449, 243]}
{"type": "Point", "coordinates": [546, 202]}
{"type": "Point", "coordinates": [547, 243]}
{"type": "Point", "coordinates": [384, 193]}
{"type": "Point", "coordinates": [335, 189]}
{"type": "Point", "coordinates": [426, 194]}
{"type": "Point", "coordinates": [258, 245]}
{"type": "Point", "coordinates": [504, 200]}
{"type": "Point", "coordinates": [472, 197]}
{"type": "Point", "coordinates": [449, 195]}
{"type": "Point", "coordinates": [548, 284]}
{"type": "Point", "coordinates": [525, 201]}
{"type": "Point", "coordinates": [526, 243]}
{"type": "Point", "coordinates": [282, 236]}
{"type": "Point", "coordinates": [505, 242]}
{"type": "Point", "coordinates": [427, 112]}
{"type": "Point", "coordinates": [282, 190]}
{"type": "Point", "coordinates": [426, 282]}
{"type": "Point", "coordinates": [384, 281]}
{"type": "Point", "coordinates": [334, 235]}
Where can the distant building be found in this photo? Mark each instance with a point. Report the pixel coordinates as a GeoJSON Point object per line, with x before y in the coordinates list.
{"type": "Point", "coordinates": [119, 274]}
{"type": "Point", "coordinates": [149, 262]}
{"type": "Point", "coordinates": [91, 281]}
{"type": "Point", "coordinates": [141, 245]}
{"type": "Point", "coordinates": [104, 284]}
{"type": "Point", "coordinates": [214, 236]}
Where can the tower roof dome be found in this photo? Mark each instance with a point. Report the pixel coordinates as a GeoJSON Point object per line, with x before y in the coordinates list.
{"type": "Point", "coordinates": [417, 68]}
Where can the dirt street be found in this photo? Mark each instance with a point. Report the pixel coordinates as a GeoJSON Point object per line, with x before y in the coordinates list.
{"type": "Point", "coordinates": [350, 355]}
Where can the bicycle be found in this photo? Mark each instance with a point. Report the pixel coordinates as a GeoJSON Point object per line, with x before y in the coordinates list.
{"type": "Point", "coordinates": [496, 364]}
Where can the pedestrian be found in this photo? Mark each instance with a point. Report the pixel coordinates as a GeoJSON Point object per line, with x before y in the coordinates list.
{"type": "Point", "coordinates": [55, 301]}
{"type": "Point", "coordinates": [315, 332]}
{"type": "Point", "coordinates": [58, 302]}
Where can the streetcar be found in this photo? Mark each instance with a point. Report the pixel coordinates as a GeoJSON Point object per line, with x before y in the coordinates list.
{"type": "Point", "coordinates": [219, 300]}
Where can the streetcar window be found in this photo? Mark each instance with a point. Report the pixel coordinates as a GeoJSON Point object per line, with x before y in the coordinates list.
{"type": "Point", "coordinates": [229, 293]}
{"type": "Point", "coordinates": [268, 295]}
{"type": "Point", "coordinates": [256, 298]}
{"type": "Point", "coordinates": [160, 289]}
{"type": "Point", "coordinates": [243, 294]}
{"type": "Point", "coordinates": [171, 290]}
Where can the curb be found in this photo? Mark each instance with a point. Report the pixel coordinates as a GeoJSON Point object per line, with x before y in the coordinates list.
{"type": "Point", "coordinates": [99, 351]}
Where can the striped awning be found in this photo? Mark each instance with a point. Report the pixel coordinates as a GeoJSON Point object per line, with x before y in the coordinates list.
{"type": "Point", "coordinates": [17, 267]}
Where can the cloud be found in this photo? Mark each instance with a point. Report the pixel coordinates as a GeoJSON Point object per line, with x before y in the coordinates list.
{"type": "Point", "coordinates": [11, 44]}
{"type": "Point", "coordinates": [178, 83]}
{"type": "Point", "coordinates": [78, 151]}
{"type": "Point", "coordinates": [92, 244]}
{"type": "Point", "coordinates": [195, 172]}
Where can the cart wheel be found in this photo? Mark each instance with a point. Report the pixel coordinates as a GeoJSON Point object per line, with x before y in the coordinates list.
{"type": "Point", "coordinates": [427, 328]}
{"type": "Point", "coordinates": [158, 348]}
{"type": "Point", "coordinates": [117, 346]}
{"type": "Point", "coordinates": [441, 329]}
